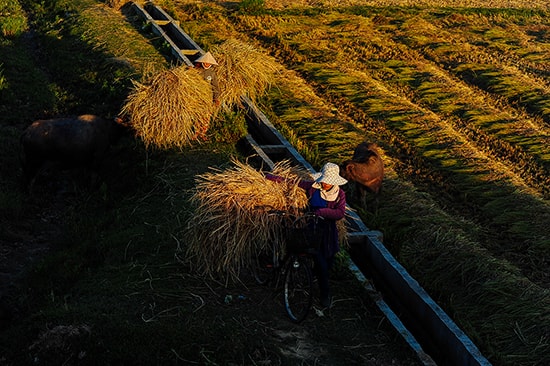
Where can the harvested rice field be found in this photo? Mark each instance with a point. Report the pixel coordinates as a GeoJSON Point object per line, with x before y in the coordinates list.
{"type": "Point", "coordinates": [456, 97]}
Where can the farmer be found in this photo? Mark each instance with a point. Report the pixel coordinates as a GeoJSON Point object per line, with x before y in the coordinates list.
{"type": "Point", "coordinates": [204, 64]}
{"type": "Point", "coordinates": [327, 200]}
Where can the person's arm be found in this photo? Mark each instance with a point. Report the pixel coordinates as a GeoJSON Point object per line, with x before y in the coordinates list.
{"type": "Point", "coordinates": [337, 212]}
{"type": "Point", "coordinates": [273, 177]}
{"type": "Point", "coordinates": [215, 88]}
{"type": "Point", "coordinates": [304, 184]}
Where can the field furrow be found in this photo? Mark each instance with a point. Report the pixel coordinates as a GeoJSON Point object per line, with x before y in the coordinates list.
{"type": "Point", "coordinates": [460, 165]}
{"type": "Point", "coordinates": [470, 61]}
{"type": "Point", "coordinates": [516, 40]}
{"type": "Point", "coordinates": [514, 140]}
{"type": "Point", "coordinates": [434, 244]}
{"type": "Point", "coordinates": [425, 82]}
{"type": "Point", "coordinates": [485, 174]}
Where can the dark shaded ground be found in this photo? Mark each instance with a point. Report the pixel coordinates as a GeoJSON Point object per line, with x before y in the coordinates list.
{"type": "Point", "coordinates": [142, 304]}
{"type": "Point", "coordinates": [89, 277]}
{"type": "Point", "coordinates": [27, 240]}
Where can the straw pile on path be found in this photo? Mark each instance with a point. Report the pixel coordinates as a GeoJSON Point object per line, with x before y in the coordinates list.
{"type": "Point", "coordinates": [231, 222]}
{"type": "Point", "coordinates": [172, 110]}
{"type": "Point", "coordinates": [243, 70]}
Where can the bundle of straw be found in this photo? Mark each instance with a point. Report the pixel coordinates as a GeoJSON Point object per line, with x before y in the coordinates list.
{"type": "Point", "coordinates": [243, 70]}
{"type": "Point", "coordinates": [232, 222]}
{"type": "Point", "coordinates": [171, 110]}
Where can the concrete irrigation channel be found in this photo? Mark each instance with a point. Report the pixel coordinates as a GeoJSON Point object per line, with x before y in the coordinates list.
{"type": "Point", "coordinates": [428, 330]}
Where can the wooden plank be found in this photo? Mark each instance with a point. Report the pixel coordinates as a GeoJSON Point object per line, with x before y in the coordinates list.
{"type": "Point", "coordinates": [270, 133]}
{"type": "Point", "coordinates": [181, 37]}
{"type": "Point", "coordinates": [156, 29]}
{"type": "Point", "coordinates": [266, 161]}
{"type": "Point", "coordinates": [274, 149]}
{"type": "Point", "coordinates": [417, 309]}
{"type": "Point", "coordinates": [189, 52]}
{"type": "Point", "coordinates": [391, 315]}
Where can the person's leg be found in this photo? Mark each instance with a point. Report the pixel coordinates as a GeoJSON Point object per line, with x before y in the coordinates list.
{"type": "Point", "coordinates": [321, 271]}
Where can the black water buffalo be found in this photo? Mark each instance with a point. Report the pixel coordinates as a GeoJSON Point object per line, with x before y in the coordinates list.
{"type": "Point", "coordinates": [365, 168]}
{"type": "Point", "coordinates": [70, 142]}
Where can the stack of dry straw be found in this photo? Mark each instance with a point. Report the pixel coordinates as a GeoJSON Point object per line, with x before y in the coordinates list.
{"type": "Point", "coordinates": [172, 109]}
{"type": "Point", "coordinates": [243, 70]}
{"type": "Point", "coordinates": [231, 223]}
{"type": "Point", "coordinates": [175, 107]}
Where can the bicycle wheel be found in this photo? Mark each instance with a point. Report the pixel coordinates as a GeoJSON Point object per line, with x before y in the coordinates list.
{"type": "Point", "coordinates": [263, 268]}
{"type": "Point", "coordinates": [298, 289]}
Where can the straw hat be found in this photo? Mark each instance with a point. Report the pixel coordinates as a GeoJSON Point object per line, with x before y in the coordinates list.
{"type": "Point", "coordinates": [207, 58]}
{"type": "Point", "coordinates": [330, 174]}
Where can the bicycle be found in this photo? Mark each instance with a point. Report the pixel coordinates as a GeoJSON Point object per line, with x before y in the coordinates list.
{"type": "Point", "coordinates": [291, 260]}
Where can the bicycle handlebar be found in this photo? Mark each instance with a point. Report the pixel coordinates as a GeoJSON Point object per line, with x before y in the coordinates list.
{"type": "Point", "coordinates": [282, 213]}
{"type": "Point", "coordinates": [303, 215]}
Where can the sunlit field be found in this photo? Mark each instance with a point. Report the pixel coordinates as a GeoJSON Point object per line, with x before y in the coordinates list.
{"type": "Point", "coordinates": [457, 98]}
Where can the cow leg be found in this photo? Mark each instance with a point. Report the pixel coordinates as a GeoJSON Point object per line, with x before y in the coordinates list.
{"type": "Point", "coordinates": [362, 194]}
{"type": "Point", "coordinates": [31, 169]}
{"type": "Point", "coordinates": [94, 170]}
{"type": "Point", "coordinates": [377, 197]}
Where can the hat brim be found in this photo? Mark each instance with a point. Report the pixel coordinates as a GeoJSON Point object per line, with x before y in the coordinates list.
{"type": "Point", "coordinates": [332, 180]}
{"type": "Point", "coordinates": [207, 58]}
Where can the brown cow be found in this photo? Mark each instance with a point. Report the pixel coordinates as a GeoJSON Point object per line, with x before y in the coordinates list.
{"type": "Point", "coordinates": [70, 142]}
{"type": "Point", "coordinates": [365, 168]}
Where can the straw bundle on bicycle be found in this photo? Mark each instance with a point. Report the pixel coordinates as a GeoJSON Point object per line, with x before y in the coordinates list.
{"type": "Point", "coordinates": [243, 70]}
{"type": "Point", "coordinates": [231, 221]}
{"type": "Point", "coordinates": [171, 110]}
